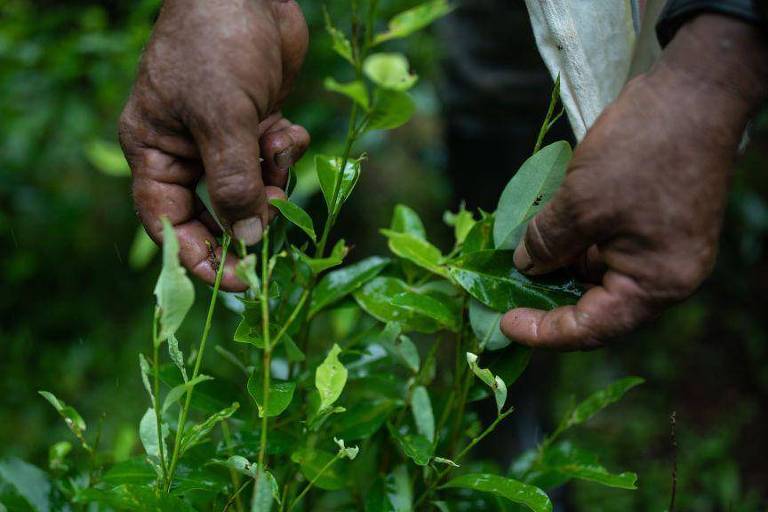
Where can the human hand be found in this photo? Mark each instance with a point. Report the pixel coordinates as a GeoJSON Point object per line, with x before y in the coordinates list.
{"type": "Point", "coordinates": [640, 211]}
{"type": "Point", "coordinates": [206, 105]}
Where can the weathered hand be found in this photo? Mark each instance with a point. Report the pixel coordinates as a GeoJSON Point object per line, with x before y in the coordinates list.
{"type": "Point", "coordinates": [206, 104]}
{"type": "Point", "coordinates": [641, 208]}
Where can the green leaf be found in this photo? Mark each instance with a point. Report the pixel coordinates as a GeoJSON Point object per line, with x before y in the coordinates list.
{"type": "Point", "coordinates": [330, 378]}
{"type": "Point", "coordinates": [135, 471]}
{"type": "Point", "coordinates": [296, 215]}
{"type": "Point", "coordinates": [339, 283]}
{"type": "Point", "coordinates": [376, 499]}
{"type": "Point", "coordinates": [567, 462]}
{"type": "Point", "coordinates": [177, 357]}
{"type": "Point", "coordinates": [416, 250]}
{"type": "Point", "coordinates": [346, 452]}
{"type": "Point", "coordinates": [265, 492]}
{"type": "Point", "coordinates": [390, 71]}
{"type": "Point", "coordinates": [516, 492]}
{"type": "Point", "coordinates": [280, 395]}
{"type": "Point", "coordinates": [513, 363]}
{"type": "Point", "coordinates": [391, 109]}
{"type": "Point", "coordinates": [376, 298]}
{"type": "Point", "coordinates": [27, 481]}
{"type": "Point", "coordinates": [528, 191]}
{"type": "Point", "coordinates": [196, 435]}
{"type": "Point", "coordinates": [142, 250]}
{"type": "Point", "coordinates": [248, 333]}
{"type": "Point", "coordinates": [314, 465]}
{"type": "Point", "coordinates": [427, 306]}
{"type": "Point", "coordinates": [177, 392]}
{"type": "Point", "coordinates": [423, 417]}
{"type": "Point", "coordinates": [363, 420]}
{"type": "Point", "coordinates": [57, 456]}
{"type": "Point", "coordinates": [70, 415]}
{"type": "Point", "coordinates": [480, 237]}
{"type": "Point", "coordinates": [150, 438]}
{"type": "Point", "coordinates": [491, 278]}
{"type": "Point", "coordinates": [341, 44]}
{"type": "Point", "coordinates": [496, 384]}
{"type": "Point", "coordinates": [413, 20]}
{"type": "Point", "coordinates": [415, 446]}
{"type": "Point", "coordinates": [599, 401]}
{"type": "Point", "coordinates": [406, 220]}
{"type": "Point", "coordinates": [108, 158]}
{"type": "Point", "coordinates": [318, 265]}
{"type": "Point", "coordinates": [174, 290]}
{"type": "Point", "coordinates": [486, 324]}
{"type": "Point", "coordinates": [328, 169]}
{"type": "Point", "coordinates": [399, 489]}
{"type": "Point", "coordinates": [462, 222]}
{"type": "Point", "coordinates": [355, 91]}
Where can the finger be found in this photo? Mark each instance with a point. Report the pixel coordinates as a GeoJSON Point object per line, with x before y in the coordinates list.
{"type": "Point", "coordinates": [229, 147]}
{"type": "Point", "coordinates": [163, 188]}
{"type": "Point", "coordinates": [274, 193]}
{"type": "Point", "coordinates": [590, 267]}
{"type": "Point", "coordinates": [604, 312]}
{"type": "Point", "coordinates": [282, 146]}
{"type": "Point", "coordinates": [555, 237]}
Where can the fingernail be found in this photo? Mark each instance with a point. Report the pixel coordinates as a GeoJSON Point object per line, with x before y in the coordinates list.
{"type": "Point", "coordinates": [249, 230]}
{"type": "Point", "coordinates": [284, 159]}
{"type": "Point", "coordinates": [522, 259]}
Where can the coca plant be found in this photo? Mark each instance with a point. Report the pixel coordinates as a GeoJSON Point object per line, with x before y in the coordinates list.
{"type": "Point", "coordinates": [351, 384]}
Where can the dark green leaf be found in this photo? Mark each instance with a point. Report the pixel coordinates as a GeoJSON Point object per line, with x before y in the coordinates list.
{"type": "Point", "coordinates": [413, 20]}
{"type": "Point", "coordinates": [296, 215]}
{"type": "Point", "coordinates": [568, 462]}
{"type": "Point", "coordinates": [363, 420]}
{"type": "Point", "coordinates": [376, 499]}
{"type": "Point", "coordinates": [246, 332]}
{"type": "Point", "coordinates": [341, 44]}
{"type": "Point", "coordinates": [599, 401]}
{"type": "Point", "coordinates": [415, 446]}
{"type": "Point", "coordinates": [355, 91]}
{"type": "Point", "coordinates": [280, 395]}
{"type": "Point", "coordinates": [391, 109]}
{"type": "Point", "coordinates": [339, 283]}
{"type": "Point", "coordinates": [196, 435]}
{"type": "Point", "coordinates": [480, 237]}
{"type": "Point", "coordinates": [425, 305]}
{"type": "Point", "coordinates": [491, 278]}
{"type": "Point", "coordinates": [528, 191]}
{"type": "Point", "coordinates": [135, 471]}
{"type": "Point", "coordinates": [516, 492]}
{"type": "Point", "coordinates": [318, 265]}
{"type": "Point", "coordinates": [312, 463]}
{"type": "Point", "coordinates": [328, 169]}
{"type": "Point", "coordinates": [376, 298]}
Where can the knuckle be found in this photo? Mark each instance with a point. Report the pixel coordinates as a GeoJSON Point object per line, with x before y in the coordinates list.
{"type": "Point", "coordinates": [233, 191]}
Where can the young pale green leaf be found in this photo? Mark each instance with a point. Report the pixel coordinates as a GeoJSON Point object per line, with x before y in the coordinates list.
{"type": "Point", "coordinates": [145, 373]}
{"type": "Point", "coordinates": [496, 384]}
{"type": "Point", "coordinates": [390, 71]}
{"type": "Point", "coordinates": [195, 435]}
{"type": "Point", "coordinates": [315, 467]}
{"type": "Point", "coordinates": [280, 395]}
{"type": "Point", "coordinates": [265, 491]}
{"type": "Point", "coordinates": [413, 20]}
{"type": "Point", "coordinates": [248, 333]}
{"type": "Point", "coordinates": [491, 278]}
{"type": "Point", "coordinates": [528, 191]}
{"type": "Point", "coordinates": [296, 215]}
{"type": "Point", "coordinates": [355, 91]}
{"type": "Point", "coordinates": [391, 109]}
{"type": "Point", "coordinates": [447, 462]}
{"type": "Point", "coordinates": [341, 44]}
{"type": "Point", "coordinates": [28, 482]}
{"type": "Point", "coordinates": [599, 401]}
{"type": "Point", "coordinates": [428, 306]}
{"type": "Point", "coordinates": [516, 492]}
{"type": "Point", "coordinates": [242, 466]}
{"type": "Point", "coordinates": [486, 324]}
{"type": "Point", "coordinates": [245, 270]}
{"type": "Point", "coordinates": [177, 357]}
{"type": "Point", "coordinates": [57, 455]}
{"type": "Point", "coordinates": [330, 378]}
{"type": "Point", "coordinates": [174, 290]}
{"type": "Point", "coordinates": [462, 222]}
{"type": "Point", "coordinates": [149, 435]}
{"type": "Point", "coordinates": [567, 462]}
{"type": "Point", "coordinates": [480, 237]}
{"type": "Point", "coordinates": [69, 414]}
{"type": "Point", "coordinates": [338, 284]}
{"type": "Point", "coordinates": [318, 265]}
{"type": "Point", "coordinates": [175, 394]}
{"type": "Point", "coordinates": [376, 298]}
{"type": "Point", "coordinates": [328, 169]}
{"type": "Point", "coordinates": [416, 250]}
{"type": "Point", "coordinates": [406, 220]}
{"type": "Point", "coordinates": [423, 417]}
{"type": "Point", "coordinates": [344, 452]}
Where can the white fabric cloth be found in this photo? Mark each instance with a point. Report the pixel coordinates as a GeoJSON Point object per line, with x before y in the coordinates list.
{"type": "Point", "coordinates": [595, 46]}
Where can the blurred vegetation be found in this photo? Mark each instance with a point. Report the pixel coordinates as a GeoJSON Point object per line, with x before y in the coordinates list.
{"type": "Point", "coordinates": [74, 312]}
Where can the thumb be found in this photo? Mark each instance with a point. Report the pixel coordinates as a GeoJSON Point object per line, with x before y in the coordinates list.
{"type": "Point", "coordinates": [231, 158]}
{"type": "Point", "coordinates": [555, 237]}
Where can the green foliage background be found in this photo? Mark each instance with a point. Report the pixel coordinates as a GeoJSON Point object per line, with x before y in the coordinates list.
{"type": "Point", "coordinates": [74, 313]}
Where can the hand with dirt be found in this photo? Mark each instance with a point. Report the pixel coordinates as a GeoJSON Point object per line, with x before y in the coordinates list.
{"type": "Point", "coordinates": [640, 212]}
{"type": "Point", "coordinates": [206, 104]}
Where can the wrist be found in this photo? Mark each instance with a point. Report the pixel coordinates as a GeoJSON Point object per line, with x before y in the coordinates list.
{"type": "Point", "coordinates": [722, 57]}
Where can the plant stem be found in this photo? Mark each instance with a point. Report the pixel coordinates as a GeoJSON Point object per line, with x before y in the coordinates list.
{"type": "Point", "coordinates": [294, 315]}
{"type": "Point", "coordinates": [462, 454]}
{"type": "Point", "coordinates": [234, 475]}
{"type": "Point", "coordinates": [312, 482]}
{"type": "Point", "coordinates": [548, 121]}
{"type": "Point", "coordinates": [236, 496]}
{"type": "Point", "coordinates": [266, 356]}
{"type": "Point", "coordinates": [158, 420]}
{"type": "Point", "coordinates": [198, 360]}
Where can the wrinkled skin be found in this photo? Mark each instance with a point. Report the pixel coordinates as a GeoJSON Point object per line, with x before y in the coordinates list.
{"type": "Point", "coordinates": [206, 104]}
{"type": "Point", "coordinates": [640, 211]}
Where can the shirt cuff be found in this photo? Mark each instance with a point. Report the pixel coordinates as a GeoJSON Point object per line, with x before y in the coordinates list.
{"type": "Point", "coordinates": [677, 12]}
